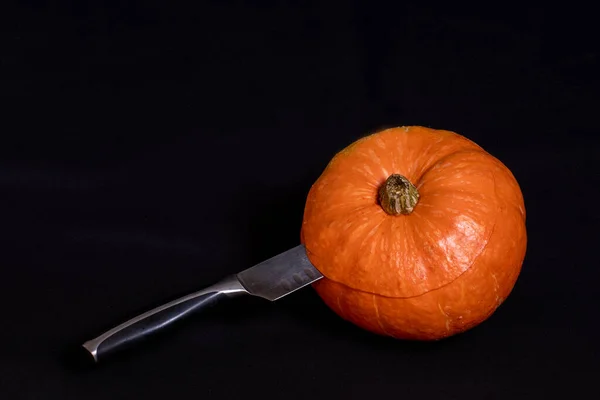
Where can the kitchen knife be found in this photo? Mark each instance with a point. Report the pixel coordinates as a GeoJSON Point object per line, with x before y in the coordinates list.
{"type": "Point", "coordinates": [271, 279]}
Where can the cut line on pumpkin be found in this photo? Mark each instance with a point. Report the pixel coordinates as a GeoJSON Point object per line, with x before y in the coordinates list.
{"type": "Point", "coordinates": [428, 291]}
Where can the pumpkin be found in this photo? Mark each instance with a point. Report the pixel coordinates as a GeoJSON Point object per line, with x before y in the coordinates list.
{"type": "Point", "coordinates": [419, 233]}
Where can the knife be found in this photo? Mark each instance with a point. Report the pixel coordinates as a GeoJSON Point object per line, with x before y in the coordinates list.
{"type": "Point", "coordinates": [271, 280]}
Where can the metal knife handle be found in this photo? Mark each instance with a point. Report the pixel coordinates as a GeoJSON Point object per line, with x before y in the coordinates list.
{"type": "Point", "coordinates": [161, 317]}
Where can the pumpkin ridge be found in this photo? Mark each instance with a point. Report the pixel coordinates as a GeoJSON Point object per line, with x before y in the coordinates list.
{"type": "Point", "coordinates": [377, 315]}
{"type": "Point", "coordinates": [372, 232]}
{"type": "Point", "coordinates": [441, 159]}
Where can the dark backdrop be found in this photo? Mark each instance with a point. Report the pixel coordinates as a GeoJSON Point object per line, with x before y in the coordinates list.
{"type": "Point", "coordinates": [149, 148]}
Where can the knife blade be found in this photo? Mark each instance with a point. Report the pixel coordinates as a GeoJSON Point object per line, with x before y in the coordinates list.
{"type": "Point", "coordinates": [271, 279]}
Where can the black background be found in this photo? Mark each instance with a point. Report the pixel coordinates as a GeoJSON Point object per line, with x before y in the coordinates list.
{"type": "Point", "coordinates": [150, 148]}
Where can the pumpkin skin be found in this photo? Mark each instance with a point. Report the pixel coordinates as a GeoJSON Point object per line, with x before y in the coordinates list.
{"type": "Point", "coordinates": [437, 270]}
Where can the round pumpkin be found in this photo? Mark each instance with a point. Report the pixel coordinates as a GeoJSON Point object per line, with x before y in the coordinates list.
{"type": "Point", "coordinates": [420, 233]}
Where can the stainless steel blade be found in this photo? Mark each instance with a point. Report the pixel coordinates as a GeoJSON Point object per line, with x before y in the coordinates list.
{"type": "Point", "coordinates": [280, 275]}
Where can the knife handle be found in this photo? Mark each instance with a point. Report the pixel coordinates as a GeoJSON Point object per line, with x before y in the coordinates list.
{"type": "Point", "coordinates": [157, 319]}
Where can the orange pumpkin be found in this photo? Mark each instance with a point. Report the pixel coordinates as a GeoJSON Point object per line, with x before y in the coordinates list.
{"type": "Point", "coordinates": [419, 233]}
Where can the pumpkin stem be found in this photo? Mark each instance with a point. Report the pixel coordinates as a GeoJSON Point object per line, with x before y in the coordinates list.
{"type": "Point", "coordinates": [398, 195]}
